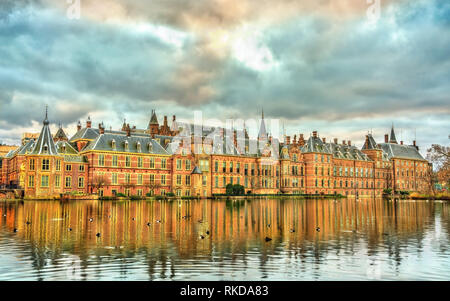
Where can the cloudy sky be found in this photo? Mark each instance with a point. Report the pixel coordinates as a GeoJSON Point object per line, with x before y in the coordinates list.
{"type": "Point", "coordinates": [325, 65]}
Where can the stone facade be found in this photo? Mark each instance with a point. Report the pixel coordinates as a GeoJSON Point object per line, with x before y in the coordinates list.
{"type": "Point", "coordinates": [154, 161]}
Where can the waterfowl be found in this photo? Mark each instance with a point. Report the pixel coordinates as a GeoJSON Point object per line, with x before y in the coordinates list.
{"type": "Point", "coordinates": [149, 224]}
{"type": "Point", "coordinates": [158, 221]}
{"type": "Point", "coordinates": [133, 219]}
{"type": "Point", "coordinates": [268, 238]}
{"type": "Point", "coordinates": [98, 235]}
{"type": "Point", "coordinates": [207, 232]}
{"type": "Point", "coordinates": [15, 230]}
{"type": "Point", "coordinates": [202, 237]}
{"type": "Point", "coordinates": [91, 219]}
{"type": "Point", "coordinates": [268, 225]}
{"type": "Point", "coordinates": [292, 230]}
{"type": "Point", "coordinates": [70, 229]}
{"type": "Point", "coordinates": [318, 229]}
{"type": "Point", "coordinates": [28, 223]}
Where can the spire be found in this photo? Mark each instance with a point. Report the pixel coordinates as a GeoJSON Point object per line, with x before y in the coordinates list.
{"type": "Point", "coordinates": [262, 128]}
{"type": "Point", "coordinates": [46, 116]}
{"type": "Point", "coordinates": [393, 139]}
{"type": "Point", "coordinates": [45, 144]}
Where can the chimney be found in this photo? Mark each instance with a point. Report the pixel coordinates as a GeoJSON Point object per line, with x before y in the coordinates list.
{"type": "Point", "coordinates": [79, 126]}
{"type": "Point", "coordinates": [174, 118]}
{"type": "Point", "coordinates": [366, 144]}
{"type": "Point", "coordinates": [386, 138]}
{"type": "Point", "coordinates": [165, 121]}
{"type": "Point", "coordinates": [343, 142]}
{"type": "Point", "coordinates": [315, 134]}
{"type": "Point", "coordinates": [235, 138]}
{"type": "Point", "coordinates": [295, 139]}
{"type": "Point", "coordinates": [89, 122]}
{"type": "Point", "coordinates": [414, 143]}
{"type": "Point", "coordinates": [301, 140]}
{"type": "Point", "coordinates": [128, 130]}
{"type": "Point", "coordinates": [401, 142]}
{"type": "Point", "coordinates": [101, 128]}
{"type": "Point", "coordinates": [324, 140]}
{"type": "Point", "coordinates": [349, 142]}
{"type": "Point", "coordinates": [288, 140]}
{"type": "Point", "coordinates": [335, 140]}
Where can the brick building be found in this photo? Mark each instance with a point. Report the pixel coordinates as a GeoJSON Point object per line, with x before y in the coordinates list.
{"type": "Point", "coordinates": [160, 159]}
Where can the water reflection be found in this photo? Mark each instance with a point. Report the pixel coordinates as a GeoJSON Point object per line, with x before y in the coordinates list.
{"type": "Point", "coordinates": [218, 240]}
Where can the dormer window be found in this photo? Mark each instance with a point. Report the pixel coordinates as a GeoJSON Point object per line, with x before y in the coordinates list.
{"type": "Point", "coordinates": [63, 148]}
{"type": "Point", "coordinates": [45, 149]}
{"type": "Point", "coordinates": [113, 144]}
{"type": "Point", "coordinates": [126, 145]}
{"type": "Point", "coordinates": [138, 146]}
{"type": "Point", "coordinates": [150, 147]}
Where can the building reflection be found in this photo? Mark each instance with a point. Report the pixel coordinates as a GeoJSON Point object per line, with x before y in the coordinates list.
{"type": "Point", "coordinates": [237, 231]}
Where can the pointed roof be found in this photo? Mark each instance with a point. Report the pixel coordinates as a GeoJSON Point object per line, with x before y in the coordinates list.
{"type": "Point", "coordinates": [393, 139]}
{"type": "Point", "coordinates": [61, 135]}
{"type": "Point", "coordinates": [196, 171]}
{"type": "Point", "coordinates": [370, 143]}
{"type": "Point", "coordinates": [45, 144]}
{"type": "Point", "coordinates": [262, 128]}
{"type": "Point", "coordinates": [153, 119]}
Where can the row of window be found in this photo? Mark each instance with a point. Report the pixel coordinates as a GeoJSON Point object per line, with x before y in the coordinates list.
{"type": "Point", "coordinates": [140, 162]}
{"type": "Point", "coordinates": [45, 181]}
{"type": "Point", "coordinates": [45, 165]}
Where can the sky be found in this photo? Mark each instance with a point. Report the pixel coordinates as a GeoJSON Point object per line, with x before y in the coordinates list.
{"type": "Point", "coordinates": [342, 68]}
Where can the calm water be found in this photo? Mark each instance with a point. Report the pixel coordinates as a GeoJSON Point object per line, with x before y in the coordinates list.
{"type": "Point", "coordinates": [366, 240]}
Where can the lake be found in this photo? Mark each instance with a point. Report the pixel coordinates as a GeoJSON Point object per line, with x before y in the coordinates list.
{"type": "Point", "coordinates": [225, 240]}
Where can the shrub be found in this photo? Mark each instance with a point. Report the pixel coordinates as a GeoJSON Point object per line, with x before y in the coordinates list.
{"type": "Point", "coordinates": [121, 195]}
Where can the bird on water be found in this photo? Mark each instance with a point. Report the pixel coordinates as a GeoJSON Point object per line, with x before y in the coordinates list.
{"type": "Point", "coordinates": [98, 235]}
{"type": "Point", "coordinates": [318, 229]}
{"type": "Point", "coordinates": [268, 238]}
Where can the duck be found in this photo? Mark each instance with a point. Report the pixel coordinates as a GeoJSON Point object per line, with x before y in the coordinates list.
{"type": "Point", "coordinates": [292, 230]}
{"type": "Point", "coordinates": [268, 225]}
{"type": "Point", "coordinates": [318, 229]}
{"type": "Point", "coordinates": [98, 234]}
{"type": "Point", "coordinates": [158, 221]}
{"type": "Point", "coordinates": [91, 219]}
{"type": "Point", "coordinates": [28, 223]}
{"type": "Point", "coordinates": [207, 232]}
{"type": "Point", "coordinates": [268, 238]}
{"type": "Point", "coordinates": [149, 224]}
{"type": "Point", "coordinates": [133, 219]}
{"type": "Point", "coordinates": [70, 229]}
{"type": "Point", "coordinates": [15, 230]}
{"type": "Point", "coordinates": [202, 237]}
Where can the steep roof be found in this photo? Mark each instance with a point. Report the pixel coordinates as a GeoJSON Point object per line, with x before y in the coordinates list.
{"type": "Point", "coordinates": [370, 143]}
{"type": "Point", "coordinates": [61, 135]}
{"type": "Point", "coordinates": [262, 128]}
{"type": "Point", "coordinates": [196, 171]}
{"type": "Point", "coordinates": [315, 145]}
{"type": "Point", "coordinates": [153, 119]}
{"type": "Point", "coordinates": [393, 139]}
{"type": "Point", "coordinates": [104, 142]}
{"type": "Point", "coordinates": [350, 152]}
{"type": "Point", "coordinates": [45, 144]}
{"type": "Point", "coordinates": [394, 150]}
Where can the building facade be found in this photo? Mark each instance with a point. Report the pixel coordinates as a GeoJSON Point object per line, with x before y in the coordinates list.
{"type": "Point", "coordinates": [160, 160]}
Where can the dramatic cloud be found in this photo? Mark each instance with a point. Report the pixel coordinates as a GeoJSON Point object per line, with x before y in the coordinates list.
{"type": "Point", "coordinates": [316, 65]}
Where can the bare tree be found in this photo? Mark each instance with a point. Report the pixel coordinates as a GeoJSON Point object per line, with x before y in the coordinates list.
{"type": "Point", "coordinates": [440, 157]}
{"type": "Point", "coordinates": [153, 185]}
{"type": "Point", "coordinates": [100, 181]}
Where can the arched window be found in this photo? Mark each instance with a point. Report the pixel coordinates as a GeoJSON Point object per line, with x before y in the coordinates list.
{"type": "Point", "coordinates": [126, 145]}
{"type": "Point", "coordinates": [113, 144]}
{"type": "Point", "coordinates": [138, 146]}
